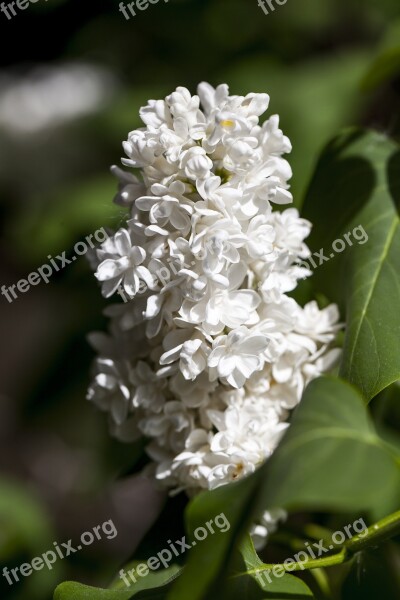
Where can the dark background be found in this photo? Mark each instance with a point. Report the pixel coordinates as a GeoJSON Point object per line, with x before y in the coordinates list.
{"type": "Point", "coordinates": [72, 78]}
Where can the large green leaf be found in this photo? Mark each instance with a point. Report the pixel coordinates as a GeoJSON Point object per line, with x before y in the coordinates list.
{"type": "Point", "coordinates": [330, 459]}
{"type": "Point", "coordinates": [153, 586]}
{"type": "Point", "coordinates": [357, 183]}
{"type": "Point", "coordinates": [331, 425]}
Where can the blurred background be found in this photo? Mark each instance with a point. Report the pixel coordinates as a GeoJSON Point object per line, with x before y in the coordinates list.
{"type": "Point", "coordinates": [72, 78]}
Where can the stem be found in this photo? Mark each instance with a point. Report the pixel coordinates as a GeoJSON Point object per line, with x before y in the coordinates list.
{"type": "Point", "coordinates": [370, 537]}
{"type": "Point", "coordinates": [381, 531]}
{"type": "Point", "coordinates": [328, 561]}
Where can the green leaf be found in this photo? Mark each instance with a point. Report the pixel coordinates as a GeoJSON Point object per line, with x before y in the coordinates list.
{"type": "Point", "coordinates": [330, 425]}
{"type": "Point", "coordinates": [330, 459]}
{"type": "Point", "coordinates": [151, 586]}
{"type": "Point", "coordinates": [357, 184]}
{"type": "Point", "coordinates": [244, 585]}
{"type": "Point", "coordinates": [154, 579]}
{"type": "Point", "coordinates": [70, 590]}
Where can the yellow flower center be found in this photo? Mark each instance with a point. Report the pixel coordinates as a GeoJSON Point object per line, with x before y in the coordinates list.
{"type": "Point", "coordinates": [227, 123]}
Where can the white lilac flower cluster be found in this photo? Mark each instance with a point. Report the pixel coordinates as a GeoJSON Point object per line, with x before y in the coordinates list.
{"type": "Point", "coordinates": [210, 354]}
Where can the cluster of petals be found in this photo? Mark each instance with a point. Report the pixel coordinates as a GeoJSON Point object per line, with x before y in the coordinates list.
{"type": "Point", "coordinates": [207, 353]}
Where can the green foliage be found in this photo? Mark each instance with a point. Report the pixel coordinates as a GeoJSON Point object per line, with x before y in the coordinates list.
{"type": "Point", "coordinates": [76, 591]}
{"type": "Point", "coordinates": [152, 586]}
{"type": "Point", "coordinates": [309, 470]}
{"type": "Point", "coordinates": [244, 585]}
{"type": "Point", "coordinates": [357, 183]}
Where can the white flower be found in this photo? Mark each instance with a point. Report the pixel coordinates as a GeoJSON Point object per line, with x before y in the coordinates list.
{"type": "Point", "coordinates": [260, 237]}
{"type": "Point", "coordinates": [141, 150]}
{"type": "Point", "coordinates": [210, 354]}
{"type": "Point", "coordinates": [236, 356]}
{"type": "Point", "coordinates": [156, 114]}
{"type": "Point", "coordinates": [183, 105]}
{"type": "Point", "coordinates": [320, 325]}
{"type": "Point", "coordinates": [212, 98]}
{"type": "Point", "coordinates": [111, 390]}
{"type": "Point", "coordinates": [193, 358]}
{"type": "Point", "coordinates": [222, 308]}
{"type": "Point", "coordinates": [217, 242]}
{"type": "Point", "coordinates": [167, 205]}
{"type": "Point", "coordinates": [122, 263]}
{"type": "Point", "coordinates": [129, 186]}
{"type": "Point", "coordinates": [196, 164]}
{"type": "Point", "coordinates": [291, 231]}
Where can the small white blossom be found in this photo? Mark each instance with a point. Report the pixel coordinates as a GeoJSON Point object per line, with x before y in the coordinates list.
{"type": "Point", "coordinates": [236, 356]}
{"type": "Point", "coordinates": [121, 262]}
